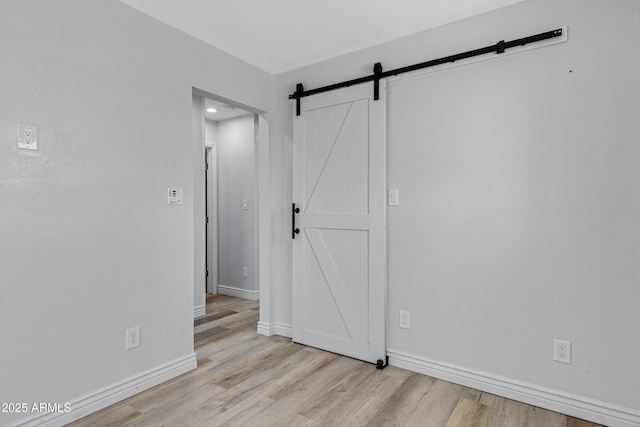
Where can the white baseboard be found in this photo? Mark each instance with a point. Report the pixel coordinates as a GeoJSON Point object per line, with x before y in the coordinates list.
{"type": "Point", "coordinates": [269, 329]}
{"type": "Point", "coordinates": [107, 396]}
{"type": "Point", "coordinates": [199, 311]}
{"type": "Point", "coordinates": [240, 293]}
{"type": "Point", "coordinates": [558, 401]}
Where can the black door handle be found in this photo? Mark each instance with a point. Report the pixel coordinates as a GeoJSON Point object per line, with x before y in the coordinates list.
{"type": "Point", "coordinates": [294, 230]}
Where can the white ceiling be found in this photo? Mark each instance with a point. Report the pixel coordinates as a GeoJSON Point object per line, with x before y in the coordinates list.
{"type": "Point", "coordinates": [281, 35]}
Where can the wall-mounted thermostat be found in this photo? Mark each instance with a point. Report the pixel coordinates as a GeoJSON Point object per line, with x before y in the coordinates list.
{"type": "Point", "coordinates": [175, 196]}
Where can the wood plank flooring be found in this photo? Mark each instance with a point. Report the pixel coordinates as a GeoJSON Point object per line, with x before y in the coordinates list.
{"type": "Point", "coordinates": [245, 379]}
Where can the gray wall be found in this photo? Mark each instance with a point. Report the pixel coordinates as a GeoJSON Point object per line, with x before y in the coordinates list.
{"type": "Point", "coordinates": [209, 132]}
{"type": "Point", "coordinates": [518, 180]}
{"type": "Point", "coordinates": [519, 196]}
{"type": "Point", "coordinates": [88, 244]}
{"type": "Point", "coordinates": [235, 140]}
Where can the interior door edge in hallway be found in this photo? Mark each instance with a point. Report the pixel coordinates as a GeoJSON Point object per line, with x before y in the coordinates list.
{"type": "Point", "coordinates": [339, 254]}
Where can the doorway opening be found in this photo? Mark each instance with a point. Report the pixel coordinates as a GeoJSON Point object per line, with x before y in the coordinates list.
{"type": "Point", "coordinates": [230, 215]}
{"type": "Point", "coordinates": [230, 200]}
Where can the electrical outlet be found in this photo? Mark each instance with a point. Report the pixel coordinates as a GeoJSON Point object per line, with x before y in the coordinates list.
{"type": "Point", "coordinates": [245, 271]}
{"type": "Point", "coordinates": [133, 338]}
{"type": "Point", "coordinates": [245, 204]}
{"type": "Point", "coordinates": [405, 320]}
{"type": "Point", "coordinates": [562, 351]}
{"type": "Point", "coordinates": [27, 137]}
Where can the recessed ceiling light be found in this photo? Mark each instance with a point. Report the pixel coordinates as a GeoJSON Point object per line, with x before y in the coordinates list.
{"type": "Point", "coordinates": [211, 110]}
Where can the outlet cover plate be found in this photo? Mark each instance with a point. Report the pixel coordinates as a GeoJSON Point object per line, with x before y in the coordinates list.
{"type": "Point", "coordinates": [133, 338]}
{"type": "Point", "coordinates": [27, 137]}
{"type": "Point", "coordinates": [562, 351]}
{"type": "Point", "coordinates": [405, 320]}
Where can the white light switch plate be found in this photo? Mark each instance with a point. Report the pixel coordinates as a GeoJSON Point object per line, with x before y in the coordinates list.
{"type": "Point", "coordinates": [175, 196]}
{"type": "Point", "coordinates": [394, 196]}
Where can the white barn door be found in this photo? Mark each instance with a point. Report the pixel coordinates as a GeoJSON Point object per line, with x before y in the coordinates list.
{"type": "Point", "coordinates": [339, 254]}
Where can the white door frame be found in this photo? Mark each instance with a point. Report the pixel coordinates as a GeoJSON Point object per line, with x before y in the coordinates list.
{"type": "Point", "coordinates": [212, 213]}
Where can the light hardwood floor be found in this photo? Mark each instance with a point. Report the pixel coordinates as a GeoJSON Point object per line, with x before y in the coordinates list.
{"type": "Point", "coordinates": [244, 379]}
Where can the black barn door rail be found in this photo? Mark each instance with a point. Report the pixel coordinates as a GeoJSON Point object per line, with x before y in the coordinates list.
{"type": "Point", "coordinates": [378, 74]}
